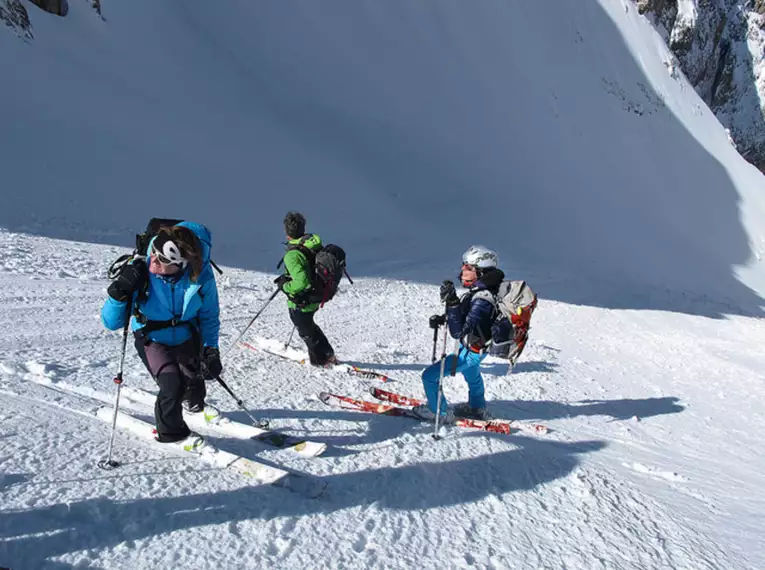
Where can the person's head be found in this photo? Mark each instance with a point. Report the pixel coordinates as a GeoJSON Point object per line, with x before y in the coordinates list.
{"type": "Point", "coordinates": [475, 261]}
{"type": "Point", "coordinates": [173, 250]}
{"type": "Point", "coordinates": [294, 225]}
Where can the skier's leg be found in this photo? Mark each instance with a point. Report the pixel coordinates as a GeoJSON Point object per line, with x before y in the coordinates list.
{"type": "Point", "coordinates": [311, 335]}
{"type": "Point", "coordinates": [471, 370]}
{"type": "Point", "coordinates": [160, 361]}
{"type": "Point", "coordinates": [324, 350]}
{"type": "Point", "coordinates": [430, 378]}
{"type": "Point", "coordinates": [189, 363]}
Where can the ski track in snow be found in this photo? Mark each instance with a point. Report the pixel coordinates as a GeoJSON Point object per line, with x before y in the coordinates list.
{"type": "Point", "coordinates": [625, 480]}
{"type": "Point", "coordinates": [654, 458]}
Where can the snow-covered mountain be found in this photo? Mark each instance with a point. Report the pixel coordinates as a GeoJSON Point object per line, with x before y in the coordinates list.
{"type": "Point", "coordinates": [14, 15]}
{"type": "Point", "coordinates": [557, 132]}
{"type": "Point", "coordinates": [720, 47]}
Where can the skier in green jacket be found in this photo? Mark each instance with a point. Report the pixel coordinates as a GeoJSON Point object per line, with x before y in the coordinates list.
{"type": "Point", "coordinates": [297, 284]}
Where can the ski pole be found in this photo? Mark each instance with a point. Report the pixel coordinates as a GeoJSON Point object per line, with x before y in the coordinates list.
{"type": "Point", "coordinates": [435, 322]}
{"type": "Point", "coordinates": [110, 463]}
{"type": "Point", "coordinates": [289, 340]}
{"type": "Point", "coordinates": [262, 424]}
{"type": "Point", "coordinates": [440, 388]}
{"type": "Point", "coordinates": [435, 342]}
{"type": "Point", "coordinates": [263, 308]}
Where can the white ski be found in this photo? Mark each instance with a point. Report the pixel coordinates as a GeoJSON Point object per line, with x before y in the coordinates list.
{"type": "Point", "coordinates": [259, 473]}
{"type": "Point", "coordinates": [213, 420]}
{"type": "Point", "coordinates": [276, 348]}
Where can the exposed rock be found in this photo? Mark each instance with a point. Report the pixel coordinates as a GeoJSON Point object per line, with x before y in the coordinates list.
{"type": "Point", "coordinates": [719, 45]}
{"type": "Point", "coordinates": [14, 15]}
{"type": "Point", "coordinates": [58, 7]}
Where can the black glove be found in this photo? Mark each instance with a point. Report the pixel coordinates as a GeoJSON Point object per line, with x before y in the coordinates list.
{"type": "Point", "coordinates": [129, 280]}
{"type": "Point", "coordinates": [211, 365]}
{"type": "Point", "coordinates": [449, 294]}
{"type": "Point", "coordinates": [281, 280]}
{"type": "Point", "coordinates": [437, 321]}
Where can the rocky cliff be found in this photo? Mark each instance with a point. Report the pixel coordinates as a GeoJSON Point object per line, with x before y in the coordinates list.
{"type": "Point", "coordinates": [719, 46]}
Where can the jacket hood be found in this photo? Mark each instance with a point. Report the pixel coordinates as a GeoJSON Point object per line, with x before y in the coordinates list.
{"type": "Point", "coordinates": [312, 241]}
{"type": "Point", "coordinates": [490, 279]}
{"type": "Point", "coordinates": [205, 238]}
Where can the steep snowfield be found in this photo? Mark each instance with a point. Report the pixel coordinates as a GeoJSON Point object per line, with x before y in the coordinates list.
{"type": "Point", "coordinates": [556, 127]}
{"type": "Point", "coordinates": [405, 131]}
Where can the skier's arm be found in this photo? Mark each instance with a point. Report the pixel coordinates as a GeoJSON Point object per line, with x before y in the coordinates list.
{"type": "Point", "coordinates": [294, 262]}
{"type": "Point", "coordinates": [455, 319]}
{"type": "Point", "coordinates": [209, 314]}
{"type": "Point", "coordinates": [114, 314]}
{"type": "Point", "coordinates": [132, 276]}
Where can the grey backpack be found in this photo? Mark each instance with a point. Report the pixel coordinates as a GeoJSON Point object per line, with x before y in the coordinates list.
{"type": "Point", "coordinates": [513, 297]}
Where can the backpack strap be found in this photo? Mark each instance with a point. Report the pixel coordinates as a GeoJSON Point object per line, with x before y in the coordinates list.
{"type": "Point", "coordinates": [488, 296]}
{"type": "Point", "coordinates": [150, 326]}
{"type": "Point", "coordinates": [302, 299]}
{"type": "Point", "coordinates": [484, 295]}
{"type": "Point", "coordinates": [309, 254]}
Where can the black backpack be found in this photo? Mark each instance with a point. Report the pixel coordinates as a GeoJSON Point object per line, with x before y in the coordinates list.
{"type": "Point", "coordinates": [142, 240]}
{"type": "Point", "coordinates": [326, 267]}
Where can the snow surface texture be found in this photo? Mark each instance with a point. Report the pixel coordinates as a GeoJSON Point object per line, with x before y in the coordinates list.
{"type": "Point", "coordinates": [654, 461]}
{"type": "Point", "coordinates": [405, 130]}
{"type": "Point", "coordinates": [599, 178]}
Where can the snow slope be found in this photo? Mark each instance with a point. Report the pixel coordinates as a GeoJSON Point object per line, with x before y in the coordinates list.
{"type": "Point", "coordinates": [654, 459]}
{"type": "Point", "coordinates": [556, 126]}
{"type": "Point", "coordinates": [631, 214]}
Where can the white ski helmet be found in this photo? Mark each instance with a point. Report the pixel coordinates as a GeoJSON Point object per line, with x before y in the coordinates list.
{"type": "Point", "coordinates": [480, 256]}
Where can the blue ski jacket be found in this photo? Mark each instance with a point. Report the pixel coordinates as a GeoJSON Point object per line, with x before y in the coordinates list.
{"type": "Point", "coordinates": [193, 304]}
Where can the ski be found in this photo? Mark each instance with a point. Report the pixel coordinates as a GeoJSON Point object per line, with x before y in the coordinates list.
{"type": "Point", "coordinates": [211, 419]}
{"type": "Point", "coordinates": [259, 473]}
{"type": "Point", "coordinates": [347, 403]}
{"type": "Point", "coordinates": [398, 399]}
{"type": "Point", "coordinates": [393, 398]}
{"type": "Point", "coordinates": [293, 355]}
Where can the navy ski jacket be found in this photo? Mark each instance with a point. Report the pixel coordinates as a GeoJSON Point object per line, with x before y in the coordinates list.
{"type": "Point", "coordinates": [474, 320]}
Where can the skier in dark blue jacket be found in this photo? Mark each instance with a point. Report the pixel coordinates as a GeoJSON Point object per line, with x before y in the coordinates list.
{"type": "Point", "coordinates": [175, 320]}
{"type": "Point", "coordinates": [473, 320]}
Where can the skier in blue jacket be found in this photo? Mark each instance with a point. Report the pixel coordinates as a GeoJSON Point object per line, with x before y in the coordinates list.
{"type": "Point", "coordinates": [175, 320]}
{"type": "Point", "coordinates": [473, 320]}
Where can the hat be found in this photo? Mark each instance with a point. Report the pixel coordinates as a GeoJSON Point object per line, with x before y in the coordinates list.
{"type": "Point", "coordinates": [167, 251]}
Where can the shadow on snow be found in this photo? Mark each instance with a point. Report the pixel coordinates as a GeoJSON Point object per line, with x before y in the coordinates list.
{"type": "Point", "coordinates": [31, 537]}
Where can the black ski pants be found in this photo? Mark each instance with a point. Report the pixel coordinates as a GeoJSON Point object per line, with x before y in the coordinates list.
{"type": "Point", "coordinates": [319, 349]}
{"type": "Point", "coordinates": [175, 369]}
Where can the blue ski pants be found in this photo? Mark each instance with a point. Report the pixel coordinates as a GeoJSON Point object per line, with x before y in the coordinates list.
{"type": "Point", "coordinates": [469, 364]}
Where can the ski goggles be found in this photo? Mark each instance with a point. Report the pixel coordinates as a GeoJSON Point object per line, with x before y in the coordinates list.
{"type": "Point", "coordinates": [170, 254]}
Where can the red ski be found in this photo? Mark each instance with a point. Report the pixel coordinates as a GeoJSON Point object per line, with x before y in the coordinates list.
{"type": "Point", "coordinates": [347, 403]}
{"type": "Point", "coordinates": [393, 398]}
